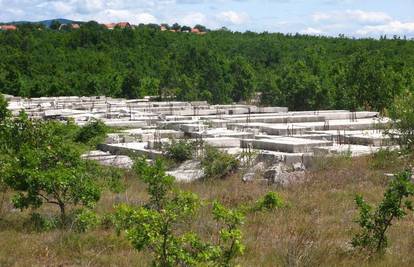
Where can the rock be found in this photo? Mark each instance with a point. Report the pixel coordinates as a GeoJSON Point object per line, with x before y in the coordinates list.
{"type": "Point", "coordinates": [252, 172]}
{"type": "Point", "coordinates": [298, 167]}
{"type": "Point", "coordinates": [249, 177]}
{"type": "Point", "coordinates": [281, 175]}
{"type": "Point", "coordinates": [188, 171]}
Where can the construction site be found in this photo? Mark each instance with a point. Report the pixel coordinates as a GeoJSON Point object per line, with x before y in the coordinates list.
{"type": "Point", "coordinates": [281, 141]}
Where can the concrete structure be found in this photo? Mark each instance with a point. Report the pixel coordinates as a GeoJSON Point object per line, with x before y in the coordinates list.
{"type": "Point", "coordinates": [274, 133]}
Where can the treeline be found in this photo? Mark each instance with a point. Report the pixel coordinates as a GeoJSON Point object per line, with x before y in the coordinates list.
{"type": "Point", "coordinates": [298, 71]}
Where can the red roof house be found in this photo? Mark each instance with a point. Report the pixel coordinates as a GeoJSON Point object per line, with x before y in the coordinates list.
{"type": "Point", "coordinates": [8, 27]}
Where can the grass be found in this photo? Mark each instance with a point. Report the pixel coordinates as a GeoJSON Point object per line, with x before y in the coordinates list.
{"type": "Point", "coordinates": [313, 230]}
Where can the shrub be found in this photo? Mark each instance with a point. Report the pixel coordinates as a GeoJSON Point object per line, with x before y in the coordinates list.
{"type": "Point", "coordinates": [179, 151]}
{"type": "Point", "coordinates": [217, 164]}
{"type": "Point", "coordinates": [374, 223]}
{"type": "Point", "coordinates": [84, 220]}
{"type": "Point", "coordinates": [385, 159]}
{"type": "Point", "coordinates": [93, 133]}
{"type": "Point", "coordinates": [268, 202]}
{"type": "Point", "coordinates": [160, 226]}
{"type": "Point", "coordinates": [230, 236]}
{"type": "Point", "coordinates": [41, 224]}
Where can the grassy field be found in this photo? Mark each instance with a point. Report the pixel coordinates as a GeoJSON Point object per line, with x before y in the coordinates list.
{"type": "Point", "coordinates": [313, 230]}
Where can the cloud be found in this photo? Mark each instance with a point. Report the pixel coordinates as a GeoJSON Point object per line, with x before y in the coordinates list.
{"type": "Point", "coordinates": [312, 31]}
{"type": "Point", "coordinates": [393, 27]}
{"type": "Point", "coordinates": [194, 18]}
{"type": "Point", "coordinates": [358, 16]}
{"type": "Point", "coordinates": [233, 17]}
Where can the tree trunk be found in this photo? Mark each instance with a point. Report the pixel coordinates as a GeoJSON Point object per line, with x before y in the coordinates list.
{"type": "Point", "coordinates": [62, 213]}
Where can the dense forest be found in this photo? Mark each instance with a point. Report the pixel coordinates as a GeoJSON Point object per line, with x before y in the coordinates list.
{"type": "Point", "coordinates": [298, 71]}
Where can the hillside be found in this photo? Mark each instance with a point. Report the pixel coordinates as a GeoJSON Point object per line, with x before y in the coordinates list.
{"type": "Point", "coordinates": [298, 71]}
{"type": "Point", "coordinates": [46, 23]}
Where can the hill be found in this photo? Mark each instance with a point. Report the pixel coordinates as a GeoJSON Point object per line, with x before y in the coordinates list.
{"type": "Point", "coordinates": [299, 71]}
{"type": "Point", "coordinates": [47, 23]}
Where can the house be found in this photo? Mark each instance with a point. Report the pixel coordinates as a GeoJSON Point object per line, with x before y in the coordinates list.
{"type": "Point", "coordinates": [8, 27]}
{"type": "Point", "coordinates": [110, 26]}
{"type": "Point", "coordinates": [75, 26]}
{"type": "Point", "coordinates": [163, 28]}
{"type": "Point", "coordinates": [195, 30]}
{"type": "Point", "coordinates": [122, 25]}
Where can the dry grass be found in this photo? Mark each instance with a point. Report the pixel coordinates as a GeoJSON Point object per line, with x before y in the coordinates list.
{"type": "Point", "coordinates": [314, 230]}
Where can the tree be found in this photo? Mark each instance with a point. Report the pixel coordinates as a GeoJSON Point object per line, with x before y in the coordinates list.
{"type": "Point", "coordinates": [402, 115]}
{"type": "Point", "coordinates": [4, 111]}
{"type": "Point", "coordinates": [43, 166]}
{"type": "Point", "coordinates": [201, 28]}
{"type": "Point", "coordinates": [55, 25]}
{"type": "Point", "coordinates": [374, 223]}
{"type": "Point", "coordinates": [302, 87]}
{"type": "Point", "coordinates": [186, 29]}
{"type": "Point", "coordinates": [131, 86]}
{"type": "Point", "coordinates": [242, 79]}
{"type": "Point", "coordinates": [176, 27]}
{"type": "Point", "coordinates": [271, 93]}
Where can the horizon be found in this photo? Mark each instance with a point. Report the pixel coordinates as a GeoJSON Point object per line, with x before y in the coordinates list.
{"type": "Point", "coordinates": [360, 19]}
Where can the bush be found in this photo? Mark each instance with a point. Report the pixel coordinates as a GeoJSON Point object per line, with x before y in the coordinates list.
{"type": "Point", "coordinates": [41, 224]}
{"type": "Point", "coordinates": [217, 164]}
{"type": "Point", "coordinates": [269, 202]}
{"type": "Point", "coordinates": [161, 225]}
{"type": "Point", "coordinates": [385, 159]}
{"type": "Point", "coordinates": [374, 223]}
{"type": "Point", "coordinates": [180, 151]}
{"type": "Point", "coordinates": [84, 220]}
{"type": "Point", "coordinates": [93, 133]}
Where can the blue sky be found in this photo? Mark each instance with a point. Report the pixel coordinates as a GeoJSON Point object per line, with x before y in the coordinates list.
{"type": "Point", "coordinates": [319, 17]}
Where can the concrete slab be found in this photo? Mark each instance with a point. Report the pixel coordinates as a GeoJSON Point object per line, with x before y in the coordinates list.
{"type": "Point", "coordinates": [284, 144]}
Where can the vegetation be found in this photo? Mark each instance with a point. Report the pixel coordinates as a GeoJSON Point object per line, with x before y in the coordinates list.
{"type": "Point", "coordinates": [402, 113]}
{"type": "Point", "coordinates": [314, 229]}
{"type": "Point", "coordinates": [269, 202]}
{"type": "Point", "coordinates": [375, 223]}
{"type": "Point", "coordinates": [92, 133]}
{"type": "Point", "coordinates": [157, 226]}
{"type": "Point", "coordinates": [298, 71]}
{"type": "Point", "coordinates": [218, 164]}
{"type": "Point", "coordinates": [181, 150]}
{"type": "Point", "coordinates": [40, 161]}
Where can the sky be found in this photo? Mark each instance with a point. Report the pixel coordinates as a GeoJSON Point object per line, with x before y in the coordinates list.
{"type": "Point", "coordinates": [354, 18]}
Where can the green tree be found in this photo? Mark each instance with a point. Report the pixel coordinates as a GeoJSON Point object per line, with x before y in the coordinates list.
{"type": "Point", "coordinates": [374, 223]}
{"type": "Point", "coordinates": [243, 79]}
{"type": "Point", "coordinates": [402, 115]}
{"type": "Point", "coordinates": [4, 111]}
{"type": "Point", "coordinates": [131, 86]}
{"type": "Point", "coordinates": [43, 166]}
{"type": "Point", "coordinates": [55, 25]}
